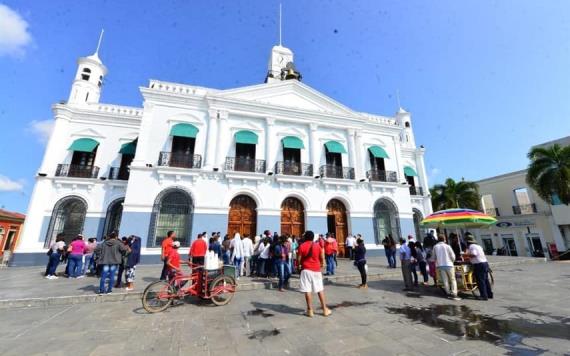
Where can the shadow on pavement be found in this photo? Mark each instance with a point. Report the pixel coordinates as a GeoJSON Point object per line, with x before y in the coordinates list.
{"type": "Point", "coordinates": [278, 308]}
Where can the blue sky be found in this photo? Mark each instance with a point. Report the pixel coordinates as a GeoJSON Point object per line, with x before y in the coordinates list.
{"type": "Point", "coordinates": [484, 80]}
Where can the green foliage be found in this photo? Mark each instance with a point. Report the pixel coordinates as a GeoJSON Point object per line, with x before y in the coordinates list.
{"type": "Point", "coordinates": [549, 172]}
{"type": "Point", "coordinates": [452, 194]}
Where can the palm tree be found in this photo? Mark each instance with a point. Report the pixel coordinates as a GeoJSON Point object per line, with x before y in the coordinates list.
{"type": "Point", "coordinates": [452, 194]}
{"type": "Point", "coordinates": [549, 172]}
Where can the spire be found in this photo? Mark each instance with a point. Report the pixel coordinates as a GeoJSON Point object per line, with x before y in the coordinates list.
{"type": "Point", "coordinates": [400, 108]}
{"type": "Point", "coordinates": [95, 56]}
{"type": "Point", "coordinates": [99, 43]}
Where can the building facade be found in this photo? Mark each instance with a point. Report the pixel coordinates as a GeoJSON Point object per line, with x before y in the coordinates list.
{"type": "Point", "coordinates": [278, 156]}
{"type": "Point", "coordinates": [10, 227]}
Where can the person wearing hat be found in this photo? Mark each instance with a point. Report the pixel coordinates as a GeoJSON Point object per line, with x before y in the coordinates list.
{"type": "Point", "coordinates": [480, 266]}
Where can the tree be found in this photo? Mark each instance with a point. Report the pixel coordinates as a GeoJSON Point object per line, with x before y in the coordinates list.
{"type": "Point", "coordinates": [549, 172]}
{"type": "Point", "coordinates": [452, 194]}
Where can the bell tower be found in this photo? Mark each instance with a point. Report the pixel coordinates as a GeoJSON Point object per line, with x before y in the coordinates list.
{"type": "Point", "coordinates": [86, 87]}
{"type": "Point", "coordinates": [281, 65]}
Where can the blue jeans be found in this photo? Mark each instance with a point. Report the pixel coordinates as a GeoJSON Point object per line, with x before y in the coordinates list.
{"type": "Point", "coordinates": [283, 271]}
{"type": "Point", "coordinates": [481, 271]}
{"type": "Point", "coordinates": [52, 264]}
{"type": "Point", "coordinates": [108, 271]}
{"type": "Point", "coordinates": [237, 264]}
{"type": "Point", "coordinates": [330, 264]}
{"type": "Point", "coordinates": [75, 265]}
{"type": "Point", "coordinates": [392, 258]}
{"type": "Point", "coordinates": [261, 267]}
{"type": "Point", "coordinates": [226, 257]}
{"type": "Point", "coordinates": [88, 265]}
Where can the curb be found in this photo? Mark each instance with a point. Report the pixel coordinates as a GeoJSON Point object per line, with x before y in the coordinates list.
{"type": "Point", "coordinates": [272, 284]}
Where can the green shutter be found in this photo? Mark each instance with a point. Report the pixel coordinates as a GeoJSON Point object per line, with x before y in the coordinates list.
{"type": "Point", "coordinates": [184, 130]}
{"type": "Point", "coordinates": [292, 142]}
{"type": "Point", "coordinates": [128, 148]}
{"type": "Point", "coordinates": [378, 152]}
{"type": "Point", "coordinates": [409, 172]}
{"type": "Point", "coordinates": [335, 147]}
{"type": "Point", "coordinates": [246, 137]}
{"type": "Point", "coordinates": [84, 145]}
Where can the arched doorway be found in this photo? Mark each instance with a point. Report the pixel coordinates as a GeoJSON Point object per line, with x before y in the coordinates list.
{"type": "Point", "coordinates": [113, 218]}
{"type": "Point", "coordinates": [337, 222]}
{"type": "Point", "coordinates": [292, 217]}
{"type": "Point", "coordinates": [386, 220]}
{"type": "Point", "coordinates": [418, 217]}
{"type": "Point", "coordinates": [173, 210]}
{"type": "Point", "coordinates": [242, 217]}
{"type": "Point", "coordinates": [68, 217]}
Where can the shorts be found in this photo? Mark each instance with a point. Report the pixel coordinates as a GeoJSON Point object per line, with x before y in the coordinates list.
{"type": "Point", "coordinates": [311, 282]}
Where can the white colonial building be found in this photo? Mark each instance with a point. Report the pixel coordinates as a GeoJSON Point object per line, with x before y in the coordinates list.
{"type": "Point", "coordinates": [279, 156]}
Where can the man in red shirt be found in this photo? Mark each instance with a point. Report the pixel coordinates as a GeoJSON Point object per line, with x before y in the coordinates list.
{"type": "Point", "coordinates": [331, 249]}
{"type": "Point", "coordinates": [173, 260]}
{"type": "Point", "coordinates": [198, 251]}
{"type": "Point", "coordinates": [166, 248]}
{"type": "Point", "coordinates": [311, 259]}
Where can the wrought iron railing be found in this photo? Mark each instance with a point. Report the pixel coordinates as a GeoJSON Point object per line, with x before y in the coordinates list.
{"type": "Point", "coordinates": [243, 164]}
{"type": "Point", "coordinates": [179, 159]}
{"type": "Point", "coordinates": [492, 211]}
{"type": "Point", "coordinates": [292, 168]}
{"type": "Point", "coordinates": [416, 191]}
{"type": "Point", "coordinates": [119, 173]}
{"type": "Point", "coordinates": [376, 175]}
{"type": "Point", "coordinates": [524, 209]}
{"type": "Point", "coordinates": [339, 172]}
{"type": "Point", "coordinates": [76, 170]}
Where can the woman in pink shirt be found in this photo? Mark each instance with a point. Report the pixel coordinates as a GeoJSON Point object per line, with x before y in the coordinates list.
{"type": "Point", "coordinates": [76, 250]}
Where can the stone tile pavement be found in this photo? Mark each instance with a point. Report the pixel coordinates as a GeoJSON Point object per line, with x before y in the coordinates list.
{"type": "Point", "coordinates": [530, 315]}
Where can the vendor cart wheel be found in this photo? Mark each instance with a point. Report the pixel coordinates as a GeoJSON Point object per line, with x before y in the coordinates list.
{"type": "Point", "coordinates": [222, 290]}
{"type": "Point", "coordinates": [157, 296]}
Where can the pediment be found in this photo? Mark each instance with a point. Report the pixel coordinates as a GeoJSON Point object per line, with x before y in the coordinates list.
{"type": "Point", "coordinates": [88, 133]}
{"type": "Point", "coordinates": [290, 94]}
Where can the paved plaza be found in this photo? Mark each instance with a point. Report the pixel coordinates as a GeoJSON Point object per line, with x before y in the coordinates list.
{"type": "Point", "coordinates": [530, 315]}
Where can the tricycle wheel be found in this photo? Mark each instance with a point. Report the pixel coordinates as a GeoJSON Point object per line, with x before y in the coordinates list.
{"type": "Point", "coordinates": [157, 296]}
{"type": "Point", "coordinates": [222, 290]}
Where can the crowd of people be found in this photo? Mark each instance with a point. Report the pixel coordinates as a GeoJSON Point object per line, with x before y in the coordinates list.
{"type": "Point", "coordinates": [271, 255]}
{"type": "Point", "coordinates": [108, 259]}
{"type": "Point", "coordinates": [437, 258]}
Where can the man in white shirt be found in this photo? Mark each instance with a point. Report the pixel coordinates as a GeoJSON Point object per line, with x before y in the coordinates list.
{"type": "Point", "coordinates": [350, 243]}
{"type": "Point", "coordinates": [480, 267]}
{"type": "Point", "coordinates": [406, 261]}
{"type": "Point", "coordinates": [444, 258]}
{"type": "Point", "coordinates": [236, 247]}
{"type": "Point", "coordinates": [247, 253]}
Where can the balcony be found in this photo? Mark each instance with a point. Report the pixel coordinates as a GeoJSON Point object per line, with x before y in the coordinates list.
{"type": "Point", "coordinates": [75, 170]}
{"type": "Point", "coordinates": [492, 211]}
{"type": "Point", "coordinates": [416, 191]}
{"type": "Point", "coordinates": [242, 164]}
{"type": "Point", "coordinates": [119, 173]}
{"type": "Point", "coordinates": [338, 172]}
{"type": "Point", "coordinates": [180, 160]}
{"type": "Point", "coordinates": [524, 209]}
{"type": "Point", "coordinates": [294, 168]}
{"type": "Point", "coordinates": [375, 175]}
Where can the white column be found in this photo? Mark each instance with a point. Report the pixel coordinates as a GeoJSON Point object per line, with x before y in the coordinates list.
{"type": "Point", "coordinates": [221, 146]}
{"type": "Point", "coordinates": [57, 146]}
{"type": "Point", "coordinates": [352, 152]}
{"type": "Point", "coordinates": [315, 148]}
{"type": "Point", "coordinates": [399, 166]}
{"type": "Point", "coordinates": [421, 170]}
{"type": "Point", "coordinates": [359, 165]}
{"type": "Point", "coordinates": [211, 140]}
{"type": "Point", "coordinates": [143, 156]}
{"type": "Point", "coordinates": [269, 145]}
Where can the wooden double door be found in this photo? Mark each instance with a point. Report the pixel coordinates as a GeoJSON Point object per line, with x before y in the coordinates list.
{"type": "Point", "coordinates": [242, 217]}
{"type": "Point", "coordinates": [292, 217]}
{"type": "Point", "coordinates": [337, 223]}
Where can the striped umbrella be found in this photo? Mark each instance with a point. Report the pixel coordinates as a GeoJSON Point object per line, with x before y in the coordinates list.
{"type": "Point", "coordinates": [465, 218]}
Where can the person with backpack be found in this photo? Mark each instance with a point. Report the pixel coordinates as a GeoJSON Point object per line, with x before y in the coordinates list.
{"type": "Point", "coordinates": [311, 260]}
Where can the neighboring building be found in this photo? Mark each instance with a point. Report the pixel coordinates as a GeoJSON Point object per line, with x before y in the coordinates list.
{"type": "Point", "coordinates": [10, 226]}
{"type": "Point", "coordinates": [278, 156]}
{"type": "Point", "coordinates": [526, 224]}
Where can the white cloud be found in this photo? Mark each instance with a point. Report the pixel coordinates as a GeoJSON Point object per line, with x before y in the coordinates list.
{"type": "Point", "coordinates": [9, 185]}
{"type": "Point", "coordinates": [433, 173]}
{"type": "Point", "coordinates": [14, 35]}
{"type": "Point", "coordinates": [42, 129]}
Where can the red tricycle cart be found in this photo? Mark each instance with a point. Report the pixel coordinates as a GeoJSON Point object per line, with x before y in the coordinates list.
{"type": "Point", "coordinates": [218, 285]}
